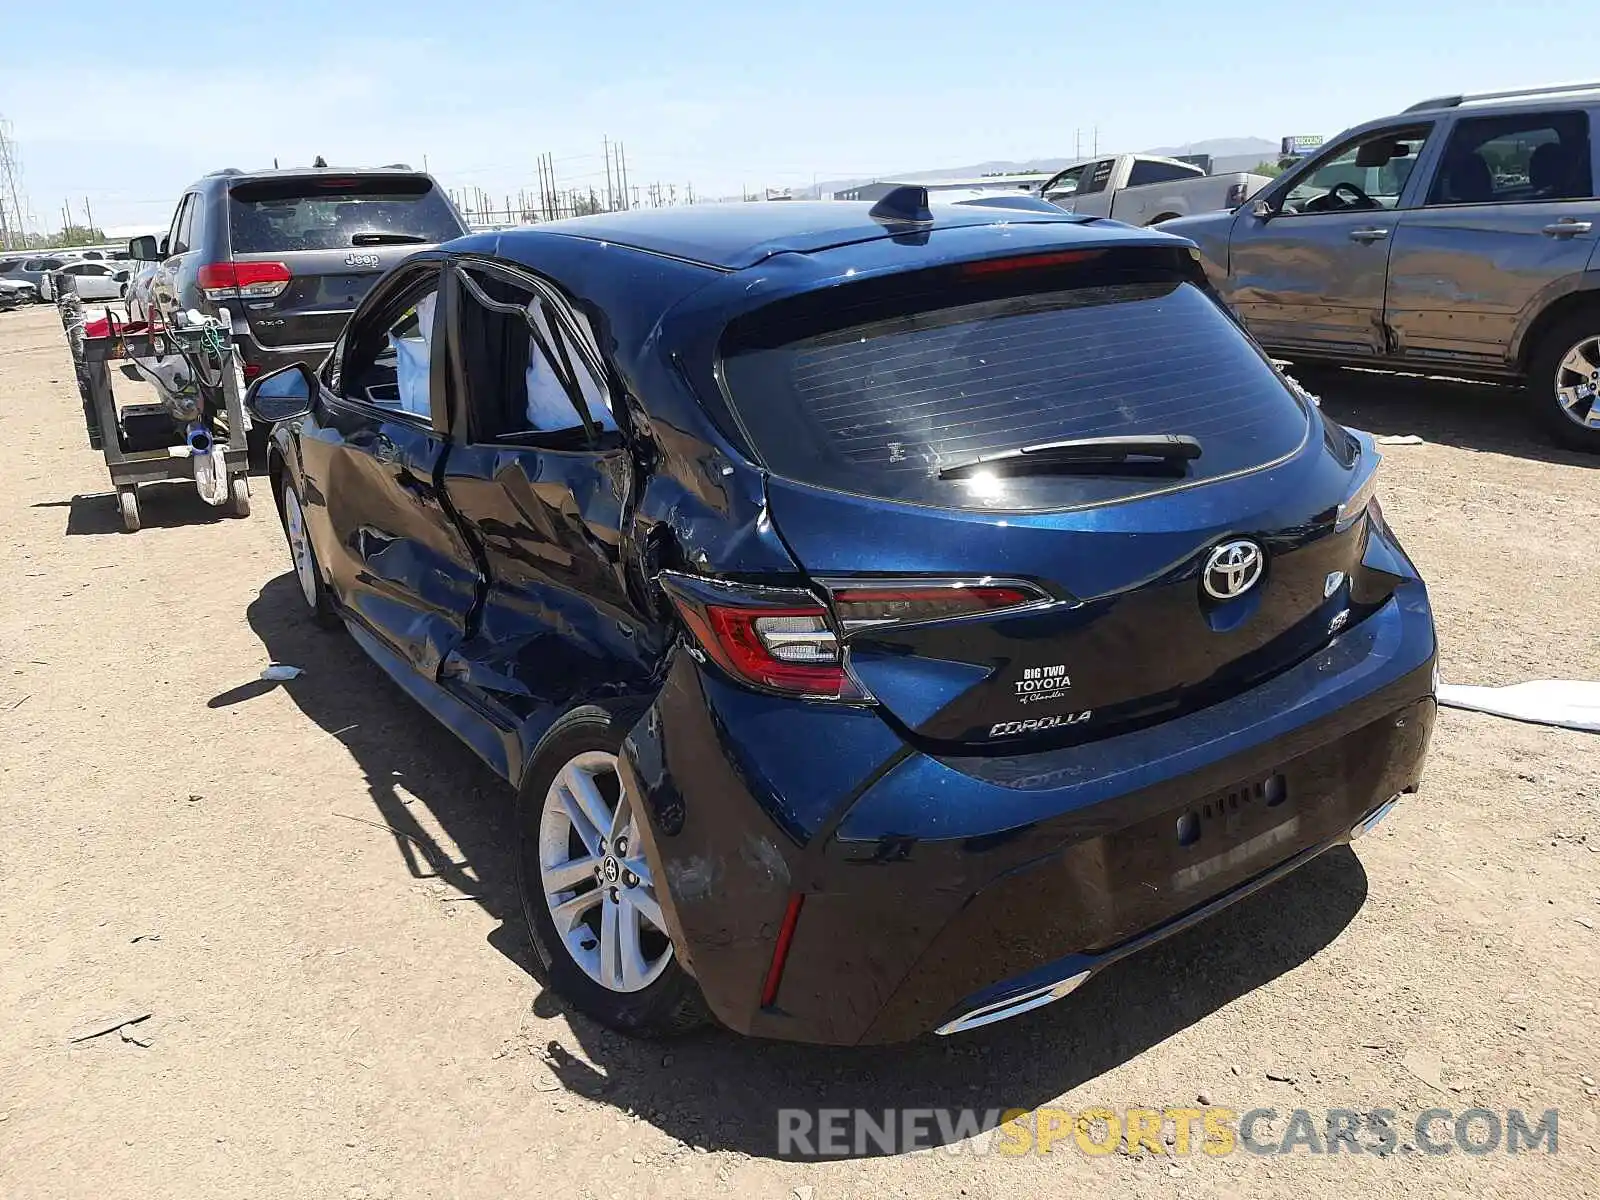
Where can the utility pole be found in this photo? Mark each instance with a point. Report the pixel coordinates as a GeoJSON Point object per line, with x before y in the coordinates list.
{"type": "Point", "coordinates": [13, 217]}
{"type": "Point", "coordinates": [622, 158]}
{"type": "Point", "coordinates": [610, 199]}
{"type": "Point", "coordinates": [1096, 150]}
{"type": "Point", "coordinates": [88, 214]}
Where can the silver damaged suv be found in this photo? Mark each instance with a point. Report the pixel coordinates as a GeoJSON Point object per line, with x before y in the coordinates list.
{"type": "Point", "coordinates": [1459, 237]}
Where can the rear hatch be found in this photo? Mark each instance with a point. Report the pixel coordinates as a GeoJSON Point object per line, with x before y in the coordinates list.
{"type": "Point", "coordinates": [306, 248]}
{"type": "Point", "coordinates": [994, 600]}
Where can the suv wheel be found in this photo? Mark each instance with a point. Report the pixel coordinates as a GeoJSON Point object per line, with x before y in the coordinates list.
{"type": "Point", "coordinates": [587, 892]}
{"type": "Point", "coordinates": [1564, 380]}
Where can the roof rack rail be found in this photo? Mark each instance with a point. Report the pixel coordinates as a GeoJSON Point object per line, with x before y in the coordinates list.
{"type": "Point", "coordinates": [1551, 89]}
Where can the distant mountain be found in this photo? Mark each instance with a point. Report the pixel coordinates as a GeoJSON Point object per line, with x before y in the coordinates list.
{"type": "Point", "coordinates": [1222, 148]}
{"type": "Point", "coordinates": [1230, 155]}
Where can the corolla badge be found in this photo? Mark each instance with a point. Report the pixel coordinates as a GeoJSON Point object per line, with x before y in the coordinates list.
{"type": "Point", "coordinates": [360, 260]}
{"type": "Point", "coordinates": [1232, 569]}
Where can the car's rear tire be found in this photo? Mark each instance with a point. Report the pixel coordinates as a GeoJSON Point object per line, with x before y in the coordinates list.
{"type": "Point", "coordinates": [1564, 380]}
{"type": "Point", "coordinates": [587, 892]}
{"type": "Point", "coordinates": [303, 557]}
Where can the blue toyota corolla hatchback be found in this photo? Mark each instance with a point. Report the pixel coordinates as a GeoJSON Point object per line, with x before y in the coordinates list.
{"type": "Point", "coordinates": [887, 617]}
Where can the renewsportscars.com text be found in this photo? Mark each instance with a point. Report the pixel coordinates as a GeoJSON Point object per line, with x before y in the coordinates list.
{"type": "Point", "coordinates": [1210, 1131]}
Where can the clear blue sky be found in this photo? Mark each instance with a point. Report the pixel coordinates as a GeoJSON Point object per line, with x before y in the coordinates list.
{"type": "Point", "coordinates": [716, 92]}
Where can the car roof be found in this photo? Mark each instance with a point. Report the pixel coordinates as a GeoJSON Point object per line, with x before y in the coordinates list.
{"type": "Point", "coordinates": [731, 237]}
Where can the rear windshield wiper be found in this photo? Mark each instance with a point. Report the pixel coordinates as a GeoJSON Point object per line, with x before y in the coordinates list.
{"type": "Point", "coordinates": [385, 239]}
{"type": "Point", "coordinates": [1137, 452]}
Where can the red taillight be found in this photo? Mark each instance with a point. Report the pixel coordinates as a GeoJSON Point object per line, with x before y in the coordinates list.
{"type": "Point", "coordinates": [861, 606]}
{"type": "Point", "coordinates": [248, 280]}
{"type": "Point", "coordinates": [784, 640]}
{"type": "Point", "coordinates": [1028, 262]}
{"type": "Point", "coordinates": [251, 370]}
{"type": "Point", "coordinates": [789, 649]}
{"type": "Point", "coordinates": [780, 951]}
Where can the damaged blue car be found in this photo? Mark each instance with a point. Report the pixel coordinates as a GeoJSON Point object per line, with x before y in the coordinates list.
{"type": "Point", "coordinates": [886, 616]}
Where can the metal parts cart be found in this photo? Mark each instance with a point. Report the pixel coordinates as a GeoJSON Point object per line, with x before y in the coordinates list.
{"type": "Point", "coordinates": [149, 443]}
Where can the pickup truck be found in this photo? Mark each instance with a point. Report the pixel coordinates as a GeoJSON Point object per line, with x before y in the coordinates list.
{"type": "Point", "coordinates": [1458, 237]}
{"type": "Point", "coordinates": [1139, 189]}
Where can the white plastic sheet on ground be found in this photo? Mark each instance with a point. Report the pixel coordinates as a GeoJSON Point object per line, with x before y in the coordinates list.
{"type": "Point", "coordinates": [1569, 703]}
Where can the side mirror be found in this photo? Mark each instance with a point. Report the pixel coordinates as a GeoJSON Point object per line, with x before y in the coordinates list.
{"type": "Point", "coordinates": [282, 395]}
{"type": "Point", "coordinates": [145, 248]}
{"type": "Point", "coordinates": [1263, 210]}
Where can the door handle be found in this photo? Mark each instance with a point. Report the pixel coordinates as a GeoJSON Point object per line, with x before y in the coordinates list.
{"type": "Point", "coordinates": [1567, 227]}
{"type": "Point", "coordinates": [1367, 236]}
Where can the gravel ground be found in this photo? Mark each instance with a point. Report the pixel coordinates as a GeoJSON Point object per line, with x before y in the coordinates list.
{"type": "Point", "coordinates": [337, 1011]}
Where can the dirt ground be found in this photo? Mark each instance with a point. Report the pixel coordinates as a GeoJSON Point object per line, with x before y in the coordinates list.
{"type": "Point", "coordinates": [337, 1011]}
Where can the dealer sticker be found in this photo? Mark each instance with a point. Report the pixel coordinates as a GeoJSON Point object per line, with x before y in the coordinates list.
{"type": "Point", "coordinates": [1042, 683]}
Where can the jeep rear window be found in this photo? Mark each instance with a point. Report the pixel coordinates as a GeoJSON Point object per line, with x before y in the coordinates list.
{"type": "Point", "coordinates": [326, 213]}
{"type": "Point", "coordinates": [878, 408]}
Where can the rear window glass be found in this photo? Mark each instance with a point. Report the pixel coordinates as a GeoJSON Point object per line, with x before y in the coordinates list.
{"type": "Point", "coordinates": [334, 214]}
{"type": "Point", "coordinates": [878, 409]}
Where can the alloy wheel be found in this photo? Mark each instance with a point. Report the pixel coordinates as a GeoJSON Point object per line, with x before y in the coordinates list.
{"type": "Point", "coordinates": [305, 565]}
{"type": "Point", "coordinates": [595, 879]}
{"type": "Point", "coordinates": [1578, 383]}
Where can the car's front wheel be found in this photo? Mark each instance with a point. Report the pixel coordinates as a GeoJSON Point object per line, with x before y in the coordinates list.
{"type": "Point", "coordinates": [307, 572]}
{"type": "Point", "coordinates": [1564, 380]}
{"type": "Point", "coordinates": [592, 904]}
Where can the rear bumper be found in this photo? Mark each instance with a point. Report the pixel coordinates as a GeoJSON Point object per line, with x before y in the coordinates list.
{"type": "Point", "coordinates": [270, 358]}
{"type": "Point", "coordinates": [934, 888]}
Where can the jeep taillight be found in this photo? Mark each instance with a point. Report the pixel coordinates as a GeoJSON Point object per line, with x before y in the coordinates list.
{"type": "Point", "coordinates": [246, 280]}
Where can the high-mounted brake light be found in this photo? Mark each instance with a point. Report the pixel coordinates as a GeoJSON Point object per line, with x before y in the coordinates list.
{"type": "Point", "coordinates": [1027, 262]}
{"type": "Point", "coordinates": [246, 280]}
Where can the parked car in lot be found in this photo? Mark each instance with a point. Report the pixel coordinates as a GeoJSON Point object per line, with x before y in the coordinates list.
{"type": "Point", "coordinates": [94, 280]}
{"type": "Point", "coordinates": [33, 270]}
{"type": "Point", "coordinates": [141, 305]}
{"type": "Point", "coordinates": [15, 294]}
{"type": "Point", "coordinates": [291, 252]}
{"type": "Point", "coordinates": [888, 617]}
{"type": "Point", "coordinates": [1457, 237]}
{"type": "Point", "coordinates": [1141, 189]}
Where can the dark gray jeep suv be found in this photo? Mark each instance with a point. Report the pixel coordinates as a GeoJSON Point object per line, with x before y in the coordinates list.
{"type": "Point", "coordinates": [290, 253]}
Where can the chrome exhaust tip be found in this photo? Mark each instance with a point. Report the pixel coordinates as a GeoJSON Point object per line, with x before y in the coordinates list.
{"type": "Point", "coordinates": [1015, 1006]}
{"type": "Point", "coordinates": [1368, 823]}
